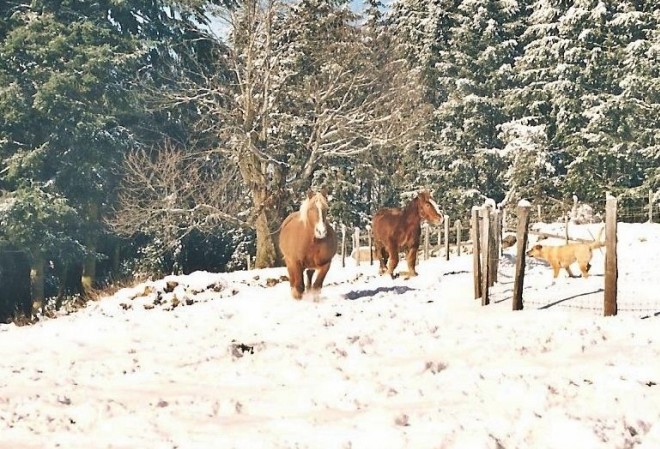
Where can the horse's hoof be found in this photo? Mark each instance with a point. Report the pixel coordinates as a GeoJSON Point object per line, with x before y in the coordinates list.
{"type": "Point", "coordinates": [296, 294]}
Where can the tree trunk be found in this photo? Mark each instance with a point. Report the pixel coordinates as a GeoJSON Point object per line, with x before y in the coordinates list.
{"type": "Point", "coordinates": [116, 259]}
{"type": "Point", "coordinates": [252, 174]}
{"type": "Point", "coordinates": [37, 280]}
{"type": "Point", "coordinates": [266, 249]}
{"type": "Point", "coordinates": [91, 240]}
{"type": "Point", "coordinates": [61, 289]}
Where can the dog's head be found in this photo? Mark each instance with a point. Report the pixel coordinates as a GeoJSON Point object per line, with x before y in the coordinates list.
{"type": "Point", "coordinates": [535, 251]}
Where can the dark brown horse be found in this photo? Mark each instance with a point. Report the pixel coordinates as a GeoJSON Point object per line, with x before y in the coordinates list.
{"type": "Point", "coordinates": [307, 241]}
{"type": "Point", "coordinates": [397, 229]}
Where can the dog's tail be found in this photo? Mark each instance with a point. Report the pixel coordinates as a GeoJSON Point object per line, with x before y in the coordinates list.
{"type": "Point", "coordinates": [599, 242]}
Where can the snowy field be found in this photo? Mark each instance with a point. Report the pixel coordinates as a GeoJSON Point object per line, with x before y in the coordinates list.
{"type": "Point", "coordinates": [231, 361]}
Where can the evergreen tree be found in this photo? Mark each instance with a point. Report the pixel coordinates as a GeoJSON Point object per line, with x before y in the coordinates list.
{"type": "Point", "coordinates": [42, 224]}
{"type": "Point", "coordinates": [617, 141]}
{"type": "Point", "coordinates": [569, 80]}
{"type": "Point", "coordinates": [69, 100]}
{"type": "Point", "coordinates": [467, 50]}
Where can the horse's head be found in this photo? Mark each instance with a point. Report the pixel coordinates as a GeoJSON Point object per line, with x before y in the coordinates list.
{"type": "Point", "coordinates": [428, 208]}
{"type": "Point", "coordinates": [314, 211]}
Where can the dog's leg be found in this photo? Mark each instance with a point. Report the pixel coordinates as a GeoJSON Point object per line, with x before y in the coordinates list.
{"type": "Point", "coordinates": [555, 271]}
{"type": "Point", "coordinates": [568, 270]}
{"type": "Point", "coordinates": [584, 268]}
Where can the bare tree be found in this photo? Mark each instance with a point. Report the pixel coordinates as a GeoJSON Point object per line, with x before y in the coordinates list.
{"type": "Point", "coordinates": [169, 192]}
{"type": "Point", "coordinates": [275, 124]}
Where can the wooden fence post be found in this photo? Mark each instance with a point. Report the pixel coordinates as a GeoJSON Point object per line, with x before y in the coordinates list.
{"type": "Point", "coordinates": [426, 241]}
{"type": "Point", "coordinates": [493, 257]}
{"type": "Point", "coordinates": [249, 265]}
{"type": "Point", "coordinates": [371, 251]}
{"type": "Point", "coordinates": [611, 269]}
{"type": "Point", "coordinates": [503, 220]}
{"type": "Point", "coordinates": [521, 241]}
{"type": "Point", "coordinates": [458, 237]}
{"type": "Point", "coordinates": [650, 206]}
{"type": "Point", "coordinates": [446, 238]}
{"type": "Point", "coordinates": [356, 245]}
{"type": "Point", "coordinates": [343, 245]}
{"type": "Point", "coordinates": [538, 209]}
{"type": "Point", "coordinates": [500, 232]}
{"type": "Point", "coordinates": [476, 251]}
{"type": "Point", "coordinates": [336, 228]}
{"type": "Point", "coordinates": [566, 228]}
{"type": "Point", "coordinates": [484, 216]}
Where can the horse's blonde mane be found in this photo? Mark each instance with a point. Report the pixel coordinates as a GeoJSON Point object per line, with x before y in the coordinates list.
{"type": "Point", "coordinates": [305, 205]}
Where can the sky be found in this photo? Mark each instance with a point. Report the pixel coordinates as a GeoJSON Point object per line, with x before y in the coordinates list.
{"type": "Point", "coordinates": [230, 360]}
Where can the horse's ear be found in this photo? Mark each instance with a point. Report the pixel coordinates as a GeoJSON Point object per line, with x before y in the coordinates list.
{"type": "Point", "coordinates": [310, 194]}
{"type": "Point", "coordinates": [423, 194]}
{"type": "Point", "coordinates": [324, 191]}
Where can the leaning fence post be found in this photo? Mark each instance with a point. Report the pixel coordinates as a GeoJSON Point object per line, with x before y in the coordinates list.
{"type": "Point", "coordinates": [446, 238]}
{"type": "Point", "coordinates": [356, 245]}
{"type": "Point", "coordinates": [650, 206]}
{"type": "Point", "coordinates": [503, 220]}
{"type": "Point", "coordinates": [521, 240]}
{"type": "Point", "coordinates": [484, 216]}
{"type": "Point", "coordinates": [476, 251]}
{"type": "Point", "coordinates": [458, 237]}
{"type": "Point", "coordinates": [371, 252]}
{"type": "Point", "coordinates": [343, 245]}
{"type": "Point", "coordinates": [500, 232]}
{"type": "Point", "coordinates": [611, 269]}
{"type": "Point", "coordinates": [493, 256]}
{"type": "Point", "coordinates": [426, 241]}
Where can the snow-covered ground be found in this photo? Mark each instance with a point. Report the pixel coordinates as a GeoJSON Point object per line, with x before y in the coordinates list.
{"type": "Point", "coordinates": [227, 361]}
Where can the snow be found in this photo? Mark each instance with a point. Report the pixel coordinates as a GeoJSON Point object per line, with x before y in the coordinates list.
{"type": "Point", "coordinates": [370, 363]}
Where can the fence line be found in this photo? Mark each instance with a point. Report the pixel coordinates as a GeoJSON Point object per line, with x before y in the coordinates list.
{"type": "Point", "coordinates": [611, 303]}
{"type": "Point", "coordinates": [362, 247]}
{"type": "Point", "coordinates": [636, 207]}
{"type": "Point", "coordinates": [486, 240]}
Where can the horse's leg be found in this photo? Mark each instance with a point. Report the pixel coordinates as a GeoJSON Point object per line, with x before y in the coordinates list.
{"type": "Point", "coordinates": [411, 258]}
{"type": "Point", "coordinates": [308, 284]}
{"type": "Point", "coordinates": [393, 251]}
{"type": "Point", "coordinates": [381, 253]}
{"type": "Point", "coordinates": [321, 272]}
{"type": "Point", "coordinates": [295, 279]}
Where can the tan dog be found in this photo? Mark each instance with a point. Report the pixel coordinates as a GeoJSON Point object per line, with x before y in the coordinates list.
{"type": "Point", "coordinates": [563, 256]}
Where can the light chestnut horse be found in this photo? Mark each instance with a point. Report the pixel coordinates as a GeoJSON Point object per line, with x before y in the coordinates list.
{"type": "Point", "coordinates": [397, 229]}
{"type": "Point", "coordinates": [307, 241]}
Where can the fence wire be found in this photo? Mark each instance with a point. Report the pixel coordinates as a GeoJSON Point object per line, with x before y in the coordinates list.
{"type": "Point", "coordinates": [638, 290]}
{"type": "Point", "coordinates": [638, 254]}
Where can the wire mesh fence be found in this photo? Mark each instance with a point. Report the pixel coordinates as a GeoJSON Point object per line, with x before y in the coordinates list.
{"type": "Point", "coordinates": [638, 259]}
{"type": "Point", "coordinates": [638, 238]}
